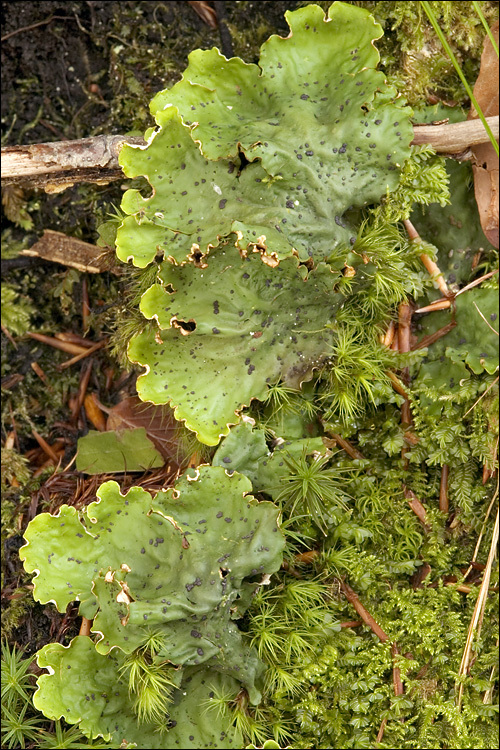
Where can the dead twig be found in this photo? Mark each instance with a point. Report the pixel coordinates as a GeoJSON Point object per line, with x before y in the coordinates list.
{"type": "Point", "coordinates": [205, 12]}
{"type": "Point", "coordinates": [353, 599]}
{"type": "Point", "coordinates": [478, 614]}
{"type": "Point", "coordinates": [64, 346]}
{"type": "Point", "coordinates": [388, 337]}
{"type": "Point", "coordinates": [9, 336]}
{"type": "Point", "coordinates": [433, 337]}
{"type": "Point", "coordinates": [396, 672]}
{"type": "Point", "coordinates": [38, 371]}
{"type": "Point", "coordinates": [433, 269]}
{"type": "Point", "coordinates": [476, 282]}
{"type": "Point", "coordinates": [345, 445]}
{"type": "Point", "coordinates": [55, 166]}
{"type": "Point", "coordinates": [416, 507]}
{"type": "Point", "coordinates": [443, 489]}
{"type": "Point", "coordinates": [82, 355]}
{"type": "Point", "coordinates": [47, 449]}
{"type": "Point", "coordinates": [440, 304]}
{"type": "Point", "coordinates": [82, 389]}
{"type": "Point", "coordinates": [404, 345]}
{"type": "Point", "coordinates": [457, 137]}
{"type": "Point", "coordinates": [397, 384]}
{"type": "Point", "coordinates": [351, 624]}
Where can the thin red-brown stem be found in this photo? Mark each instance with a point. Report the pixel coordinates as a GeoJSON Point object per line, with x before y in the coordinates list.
{"type": "Point", "coordinates": [389, 335]}
{"type": "Point", "coordinates": [9, 336]}
{"type": "Point", "coordinates": [433, 337]}
{"type": "Point", "coordinates": [397, 384]}
{"type": "Point", "coordinates": [82, 355]}
{"type": "Point", "coordinates": [353, 599]}
{"type": "Point", "coordinates": [431, 266]}
{"type": "Point", "coordinates": [38, 371]}
{"type": "Point", "coordinates": [440, 304]}
{"type": "Point", "coordinates": [74, 338]}
{"type": "Point", "coordinates": [396, 672]}
{"type": "Point", "coordinates": [443, 489]}
{"type": "Point", "coordinates": [380, 733]}
{"type": "Point", "coordinates": [85, 304]}
{"type": "Point", "coordinates": [416, 506]}
{"type": "Point", "coordinates": [82, 388]}
{"type": "Point", "coordinates": [404, 345]}
{"type": "Point", "coordinates": [346, 446]}
{"type": "Point", "coordinates": [45, 447]}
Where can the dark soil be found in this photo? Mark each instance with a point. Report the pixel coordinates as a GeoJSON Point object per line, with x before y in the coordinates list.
{"type": "Point", "coordinates": [72, 70]}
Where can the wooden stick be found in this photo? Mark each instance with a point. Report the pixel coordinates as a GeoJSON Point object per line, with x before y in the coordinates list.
{"type": "Point", "coordinates": [74, 338]}
{"type": "Point", "coordinates": [477, 615]}
{"type": "Point", "coordinates": [404, 345]}
{"type": "Point", "coordinates": [380, 733]}
{"type": "Point", "coordinates": [353, 599]}
{"type": "Point", "coordinates": [56, 166]}
{"type": "Point", "coordinates": [476, 282]}
{"type": "Point", "coordinates": [440, 304]}
{"type": "Point", "coordinates": [65, 346]}
{"type": "Point", "coordinates": [9, 336]}
{"type": "Point", "coordinates": [456, 137]}
{"type": "Point", "coordinates": [397, 384]}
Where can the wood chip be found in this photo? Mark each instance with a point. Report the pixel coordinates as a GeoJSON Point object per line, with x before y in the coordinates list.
{"type": "Point", "coordinates": [69, 251]}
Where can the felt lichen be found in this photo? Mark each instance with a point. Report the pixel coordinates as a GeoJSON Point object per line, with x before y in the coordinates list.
{"type": "Point", "coordinates": [174, 571]}
{"type": "Point", "coordinates": [273, 154]}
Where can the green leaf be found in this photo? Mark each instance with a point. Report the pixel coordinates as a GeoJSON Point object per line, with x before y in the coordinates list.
{"type": "Point", "coordinates": [320, 127]}
{"type": "Point", "coordinates": [109, 452]}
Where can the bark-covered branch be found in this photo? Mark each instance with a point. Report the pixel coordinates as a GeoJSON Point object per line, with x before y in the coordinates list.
{"type": "Point", "coordinates": [56, 166]}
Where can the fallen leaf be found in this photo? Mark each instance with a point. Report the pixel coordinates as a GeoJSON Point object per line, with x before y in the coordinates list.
{"type": "Point", "coordinates": [485, 160]}
{"type": "Point", "coordinates": [111, 452]}
{"type": "Point", "coordinates": [205, 11]}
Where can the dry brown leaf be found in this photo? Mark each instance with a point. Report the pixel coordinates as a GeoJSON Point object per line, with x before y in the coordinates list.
{"type": "Point", "coordinates": [161, 427]}
{"type": "Point", "coordinates": [485, 160]}
{"type": "Point", "coordinates": [205, 11]}
{"type": "Point", "coordinates": [94, 413]}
